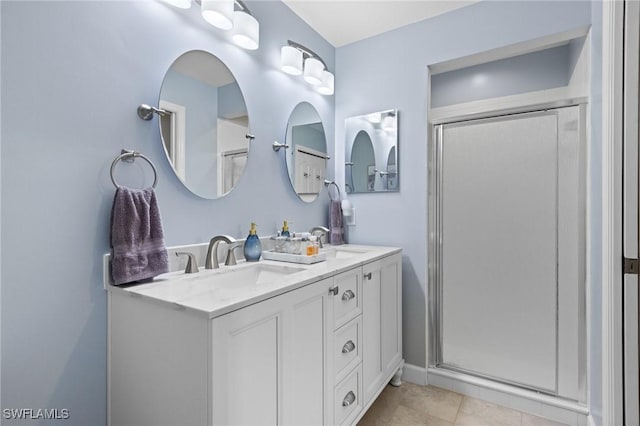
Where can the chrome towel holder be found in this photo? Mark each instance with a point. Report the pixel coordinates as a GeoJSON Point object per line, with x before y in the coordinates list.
{"type": "Point", "coordinates": [328, 184]}
{"type": "Point", "coordinates": [129, 156]}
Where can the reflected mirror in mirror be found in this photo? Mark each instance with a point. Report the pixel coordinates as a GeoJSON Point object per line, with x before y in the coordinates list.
{"type": "Point", "coordinates": [306, 155]}
{"type": "Point", "coordinates": [205, 133]}
{"type": "Point", "coordinates": [371, 152]}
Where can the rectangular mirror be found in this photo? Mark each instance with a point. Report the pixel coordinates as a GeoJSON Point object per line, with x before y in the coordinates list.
{"type": "Point", "coordinates": [371, 152]}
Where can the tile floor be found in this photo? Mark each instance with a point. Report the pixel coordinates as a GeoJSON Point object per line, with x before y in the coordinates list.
{"type": "Point", "coordinates": [411, 404]}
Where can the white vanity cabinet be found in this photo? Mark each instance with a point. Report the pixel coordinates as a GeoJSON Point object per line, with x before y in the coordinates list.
{"type": "Point", "coordinates": [317, 354]}
{"type": "Point", "coordinates": [268, 360]}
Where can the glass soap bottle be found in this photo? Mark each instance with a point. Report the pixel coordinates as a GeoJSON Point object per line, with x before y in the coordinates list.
{"type": "Point", "coordinates": [252, 245]}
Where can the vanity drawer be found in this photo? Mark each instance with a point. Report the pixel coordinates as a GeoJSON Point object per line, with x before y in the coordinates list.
{"type": "Point", "coordinates": [347, 348]}
{"type": "Point", "coordinates": [347, 300]}
{"type": "Point", "coordinates": [347, 396]}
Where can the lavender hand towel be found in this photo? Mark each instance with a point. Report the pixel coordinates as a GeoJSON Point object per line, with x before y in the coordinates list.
{"type": "Point", "coordinates": [336, 229]}
{"type": "Point", "coordinates": [137, 240]}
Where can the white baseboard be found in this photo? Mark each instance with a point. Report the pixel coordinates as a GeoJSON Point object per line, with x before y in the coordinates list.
{"type": "Point", "coordinates": [414, 374]}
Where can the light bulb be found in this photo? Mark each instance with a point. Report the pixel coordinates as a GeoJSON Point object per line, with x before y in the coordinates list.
{"type": "Point", "coordinates": [313, 71]}
{"type": "Point", "coordinates": [218, 13]}
{"type": "Point", "coordinates": [291, 60]}
{"type": "Point", "coordinates": [246, 31]}
{"type": "Point", "coordinates": [327, 84]}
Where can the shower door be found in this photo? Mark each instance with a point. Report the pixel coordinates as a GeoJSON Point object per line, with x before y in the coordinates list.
{"type": "Point", "coordinates": [509, 238]}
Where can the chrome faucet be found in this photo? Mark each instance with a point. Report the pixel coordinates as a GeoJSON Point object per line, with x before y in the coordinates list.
{"type": "Point", "coordinates": [212, 252]}
{"type": "Point", "coordinates": [320, 231]}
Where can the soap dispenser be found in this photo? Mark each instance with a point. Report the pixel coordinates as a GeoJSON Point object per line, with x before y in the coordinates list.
{"type": "Point", "coordinates": [285, 230]}
{"type": "Point", "coordinates": [252, 245]}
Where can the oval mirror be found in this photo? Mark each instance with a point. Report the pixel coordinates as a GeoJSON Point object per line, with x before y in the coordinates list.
{"type": "Point", "coordinates": [306, 155]}
{"type": "Point", "coordinates": [371, 152]}
{"type": "Point", "coordinates": [204, 132]}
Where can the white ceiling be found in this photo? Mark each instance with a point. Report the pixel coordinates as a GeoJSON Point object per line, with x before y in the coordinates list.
{"type": "Point", "coordinates": [342, 22]}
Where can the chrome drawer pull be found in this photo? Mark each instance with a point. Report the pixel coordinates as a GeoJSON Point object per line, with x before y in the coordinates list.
{"type": "Point", "coordinates": [348, 295]}
{"type": "Point", "coordinates": [349, 399]}
{"type": "Point", "coordinates": [368, 275]}
{"type": "Point", "coordinates": [348, 347]}
{"type": "Point", "coordinates": [334, 290]}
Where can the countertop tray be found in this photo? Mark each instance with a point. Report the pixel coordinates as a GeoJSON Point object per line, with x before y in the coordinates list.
{"type": "Point", "coordinates": [294, 258]}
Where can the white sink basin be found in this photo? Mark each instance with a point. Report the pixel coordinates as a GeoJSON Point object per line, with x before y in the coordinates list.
{"type": "Point", "coordinates": [342, 252]}
{"type": "Point", "coordinates": [178, 285]}
{"type": "Point", "coordinates": [258, 274]}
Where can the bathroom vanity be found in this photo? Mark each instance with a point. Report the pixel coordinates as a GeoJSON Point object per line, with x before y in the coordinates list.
{"type": "Point", "coordinates": [258, 343]}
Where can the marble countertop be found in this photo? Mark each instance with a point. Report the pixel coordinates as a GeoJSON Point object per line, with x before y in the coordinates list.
{"type": "Point", "coordinates": [199, 293]}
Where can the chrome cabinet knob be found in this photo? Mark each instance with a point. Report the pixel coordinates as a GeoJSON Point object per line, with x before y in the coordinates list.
{"type": "Point", "coordinates": [348, 347]}
{"type": "Point", "coordinates": [368, 275]}
{"type": "Point", "coordinates": [349, 399]}
{"type": "Point", "coordinates": [334, 291]}
{"type": "Point", "coordinates": [348, 295]}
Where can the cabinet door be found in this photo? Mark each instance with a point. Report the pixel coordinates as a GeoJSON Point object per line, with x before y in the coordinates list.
{"type": "Point", "coordinates": [269, 360]}
{"type": "Point", "coordinates": [391, 313]}
{"type": "Point", "coordinates": [247, 347]}
{"type": "Point", "coordinates": [308, 332]}
{"type": "Point", "coordinates": [381, 322]}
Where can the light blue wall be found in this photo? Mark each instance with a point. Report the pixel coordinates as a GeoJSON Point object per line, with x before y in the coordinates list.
{"type": "Point", "coordinates": [73, 74]}
{"type": "Point", "coordinates": [231, 102]}
{"type": "Point", "coordinates": [545, 69]}
{"type": "Point", "coordinates": [390, 71]}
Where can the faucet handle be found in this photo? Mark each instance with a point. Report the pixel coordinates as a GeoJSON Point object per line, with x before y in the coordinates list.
{"type": "Point", "coordinates": [231, 257]}
{"type": "Point", "coordinates": [192, 263]}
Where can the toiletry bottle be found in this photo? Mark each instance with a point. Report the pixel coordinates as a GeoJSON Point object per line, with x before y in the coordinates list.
{"type": "Point", "coordinates": [252, 245]}
{"type": "Point", "coordinates": [285, 230]}
{"type": "Point", "coordinates": [310, 247]}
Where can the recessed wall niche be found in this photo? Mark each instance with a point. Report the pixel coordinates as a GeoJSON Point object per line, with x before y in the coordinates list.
{"type": "Point", "coordinates": [537, 71]}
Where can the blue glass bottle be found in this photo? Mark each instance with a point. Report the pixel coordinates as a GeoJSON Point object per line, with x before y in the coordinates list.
{"type": "Point", "coordinates": [285, 230]}
{"type": "Point", "coordinates": [252, 245]}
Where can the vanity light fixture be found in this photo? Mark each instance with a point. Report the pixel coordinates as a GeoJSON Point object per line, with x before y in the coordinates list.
{"type": "Point", "coordinates": [296, 59]}
{"type": "Point", "coordinates": [246, 29]}
{"type": "Point", "coordinates": [327, 83]}
{"type": "Point", "coordinates": [313, 71]}
{"type": "Point", "coordinates": [291, 60]}
{"type": "Point", "coordinates": [231, 15]}
{"type": "Point", "coordinates": [218, 13]}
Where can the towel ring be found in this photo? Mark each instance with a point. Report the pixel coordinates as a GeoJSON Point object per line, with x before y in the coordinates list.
{"type": "Point", "coordinates": [125, 155]}
{"type": "Point", "coordinates": [328, 184]}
